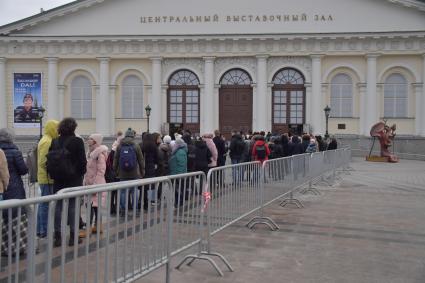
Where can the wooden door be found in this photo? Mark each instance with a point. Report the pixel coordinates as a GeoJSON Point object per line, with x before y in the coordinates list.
{"type": "Point", "coordinates": [235, 109]}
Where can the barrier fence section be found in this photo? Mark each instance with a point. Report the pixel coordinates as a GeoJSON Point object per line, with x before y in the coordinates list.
{"type": "Point", "coordinates": [156, 218]}
{"type": "Point", "coordinates": [241, 189]}
{"type": "Point", "coordinates": [122, 249]}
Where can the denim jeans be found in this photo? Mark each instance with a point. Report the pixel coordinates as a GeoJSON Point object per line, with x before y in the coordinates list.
{"type": "Point", "coordinates": [237, 173]}
{"type": "Point", "coordinates": [43, 210]}
{"type": "Point", "coordinates": [132, 195]}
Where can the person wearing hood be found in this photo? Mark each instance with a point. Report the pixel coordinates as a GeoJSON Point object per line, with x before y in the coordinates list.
{"type": "Point", "coordinates": [191, 152]}
{"type": "Point", "coordinates": [44, 181]}
{"type": "Point", "coordinates": [178, 165]}
{"type": "Point", "coordinates": [164, 154]}
{"type": "Point", "coordinates": [178, 159]}
{"type": "Point", "coordinates": [16, 166]}
{"type": "Point", "coordinates": [208, 139]}
{"type": "Point", "coordinates": [96, 167]}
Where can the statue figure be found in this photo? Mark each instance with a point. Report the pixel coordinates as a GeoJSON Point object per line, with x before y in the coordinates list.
{"type": "Point", "coordinates": [386, 135]}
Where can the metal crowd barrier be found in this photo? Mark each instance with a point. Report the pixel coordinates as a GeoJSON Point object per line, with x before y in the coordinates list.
{"type": "Point", "coordinates": [123, 249]}
{"type": "Point", "coordinates": [175, 213]}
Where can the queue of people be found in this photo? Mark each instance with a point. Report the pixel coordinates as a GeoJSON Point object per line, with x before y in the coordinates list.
{"type": "Point", "coordinates": [64, 162]}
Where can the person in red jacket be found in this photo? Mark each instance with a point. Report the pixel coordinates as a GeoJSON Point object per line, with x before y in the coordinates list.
{"type": "Point", "coordinates": [260, 150]}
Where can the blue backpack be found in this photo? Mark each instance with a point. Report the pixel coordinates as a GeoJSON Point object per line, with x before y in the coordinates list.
{"type": "Point", "coordinates": [128, 157]}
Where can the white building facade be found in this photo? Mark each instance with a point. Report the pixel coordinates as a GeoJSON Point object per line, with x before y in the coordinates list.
{"type": "Point", "coordinates": [238, 65]}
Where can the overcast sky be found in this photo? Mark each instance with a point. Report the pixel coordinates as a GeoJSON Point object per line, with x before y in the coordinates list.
{"type": "Point", "coordinates": [14, 10]}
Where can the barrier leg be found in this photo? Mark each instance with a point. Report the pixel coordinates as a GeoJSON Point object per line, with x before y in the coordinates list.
{"type": "Point", "coordinates": [291, 200]}
{"type": "Point", "coordinates": [262, 220]}
{"type": "Point", "coordinates": [311, 189]}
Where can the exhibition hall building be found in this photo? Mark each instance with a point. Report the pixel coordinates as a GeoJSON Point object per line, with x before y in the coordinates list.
{"type": "Point", "coordinates": [271, 65]}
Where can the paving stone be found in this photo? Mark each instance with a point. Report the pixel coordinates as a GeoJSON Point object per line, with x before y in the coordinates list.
{"type": "Point", "coordinates": [369, 227]}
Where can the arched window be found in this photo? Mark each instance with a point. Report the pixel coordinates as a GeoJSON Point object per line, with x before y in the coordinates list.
{"type": "Point", "coordinates": [395, 96]}
{"type": "Point", "coordinates": [183, 100]}
{"type": "Point", "coordinates": [288, 76]}
{"type": "Point", "coordinates": [288, 101]}
{"type": "Point", "coordinates": [341, 96]}
{"type": "Point", "coordinates": [236, 77]}
{"type": "Point", "coordinates": [81, 98]}
{"type": "Point", "coordinates": [132, 98]}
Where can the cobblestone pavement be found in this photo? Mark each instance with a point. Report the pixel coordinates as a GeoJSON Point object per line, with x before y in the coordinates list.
{"type": "Point", "coordinates": [368, 227]}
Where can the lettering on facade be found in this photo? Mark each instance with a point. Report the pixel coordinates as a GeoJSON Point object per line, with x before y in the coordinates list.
{"type": "Point", "coordinates": [277, 18]}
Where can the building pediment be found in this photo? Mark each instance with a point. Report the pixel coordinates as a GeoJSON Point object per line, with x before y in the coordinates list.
{"type": "Point", "coordinates": [221, 17]}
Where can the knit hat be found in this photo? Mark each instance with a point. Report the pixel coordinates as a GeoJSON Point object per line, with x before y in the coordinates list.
{"type": "Point", "coordinates": [180, 142]}
{"type": "Point", "coordinates": [98, 138]}
{"type": "Point", "coordinates": [7, 135]}
{"type": "Point", "coordinates": [167, 139]}
{"type": "Point", "coordinates": [129, 133]}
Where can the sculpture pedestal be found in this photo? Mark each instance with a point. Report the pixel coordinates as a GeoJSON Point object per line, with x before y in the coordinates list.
{"type": "Point", "coordinates": [374, 158]}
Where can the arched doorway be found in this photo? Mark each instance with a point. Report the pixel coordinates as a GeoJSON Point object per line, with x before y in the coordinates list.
{"type": "Point", "coordinates": [288, 101]}
{"type": "Point", "coordinates": [183, 102]}
{"type": "Point", "coordinates": [235, 98]}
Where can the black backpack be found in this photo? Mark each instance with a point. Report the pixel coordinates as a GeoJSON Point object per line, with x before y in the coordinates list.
{"type": "Point", "coordinates": [59, 163]}
{"type": "Point", "coordinates": [261, 151]}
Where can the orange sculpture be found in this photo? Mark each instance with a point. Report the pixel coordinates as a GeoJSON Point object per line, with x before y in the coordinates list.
{"type": "Point", "coordinates": [386, 135]}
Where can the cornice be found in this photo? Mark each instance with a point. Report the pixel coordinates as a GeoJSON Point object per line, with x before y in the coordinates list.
{"type": "Point", "coordinates": [45, 16]}
{"type": "Point", "coordinates": [410, 4]}
{"type": "Point", "coordinates": [206, 48]}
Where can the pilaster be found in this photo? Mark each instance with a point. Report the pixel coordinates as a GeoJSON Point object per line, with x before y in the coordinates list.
{"type": "Point", "coordinates": [422, 119]}
{"type": "Point", "coordinates": [362, 109]}
{"type": "Point", "coordinates": [61, 101]}
{"type": "Point", "coordinates": [316, 101]}
{"type": "Point", "coordinates": [3, 100]}
{"type": "Point", "coordinates": [52, 88]}
{"type": "Point", "coordinates": [261, 95]}
{"type": "Point", "coordinates": [207, 111]}
{"type": "Point", "coordinates": [155, 97]}
{"type": "Point", "coordinates": [102, 99]}
{"type": "Point", "coordinates": [371, 114]}
{"type": "Point", "coordinates": [112, 112]}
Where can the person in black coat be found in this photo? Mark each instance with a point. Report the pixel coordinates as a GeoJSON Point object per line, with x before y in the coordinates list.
{"type": "Point", "coordinates": [203, 156]}
{"type": "Point", "coordinates": [295, 146]}
{"type": "Point", "coordinates": [221, 148]}
{"type": "Point", "coordinates": [77, 155]}
{"type": "Point", "coordinates": [15, 164]}
{"type": "Point", "coordinates": [333, 144]}
{"type": "Point", "coordinates": [284, 139]}
{"type": "Point", "coordinates": [191, 153]}
{"type": "Point", "coordinates": [150, 152]}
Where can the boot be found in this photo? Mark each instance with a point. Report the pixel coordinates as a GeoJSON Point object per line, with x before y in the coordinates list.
{"type": "Point", "coordinates": [94, 229]}
{"type": "Point", "coordinates": [58, 239]}
{"type": "Point", "coordinates": [71, 240]}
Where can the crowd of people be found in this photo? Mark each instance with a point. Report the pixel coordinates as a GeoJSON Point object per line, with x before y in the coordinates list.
{"type": "Point", "coordinates": [64, 160]}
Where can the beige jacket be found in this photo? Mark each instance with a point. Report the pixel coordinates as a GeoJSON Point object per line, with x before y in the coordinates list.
{"type": "Point", "coordinates": [4, 172]}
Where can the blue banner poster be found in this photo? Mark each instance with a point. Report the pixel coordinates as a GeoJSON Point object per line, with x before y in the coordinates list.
{"type": "Point", "coordinates": [26, 99]}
